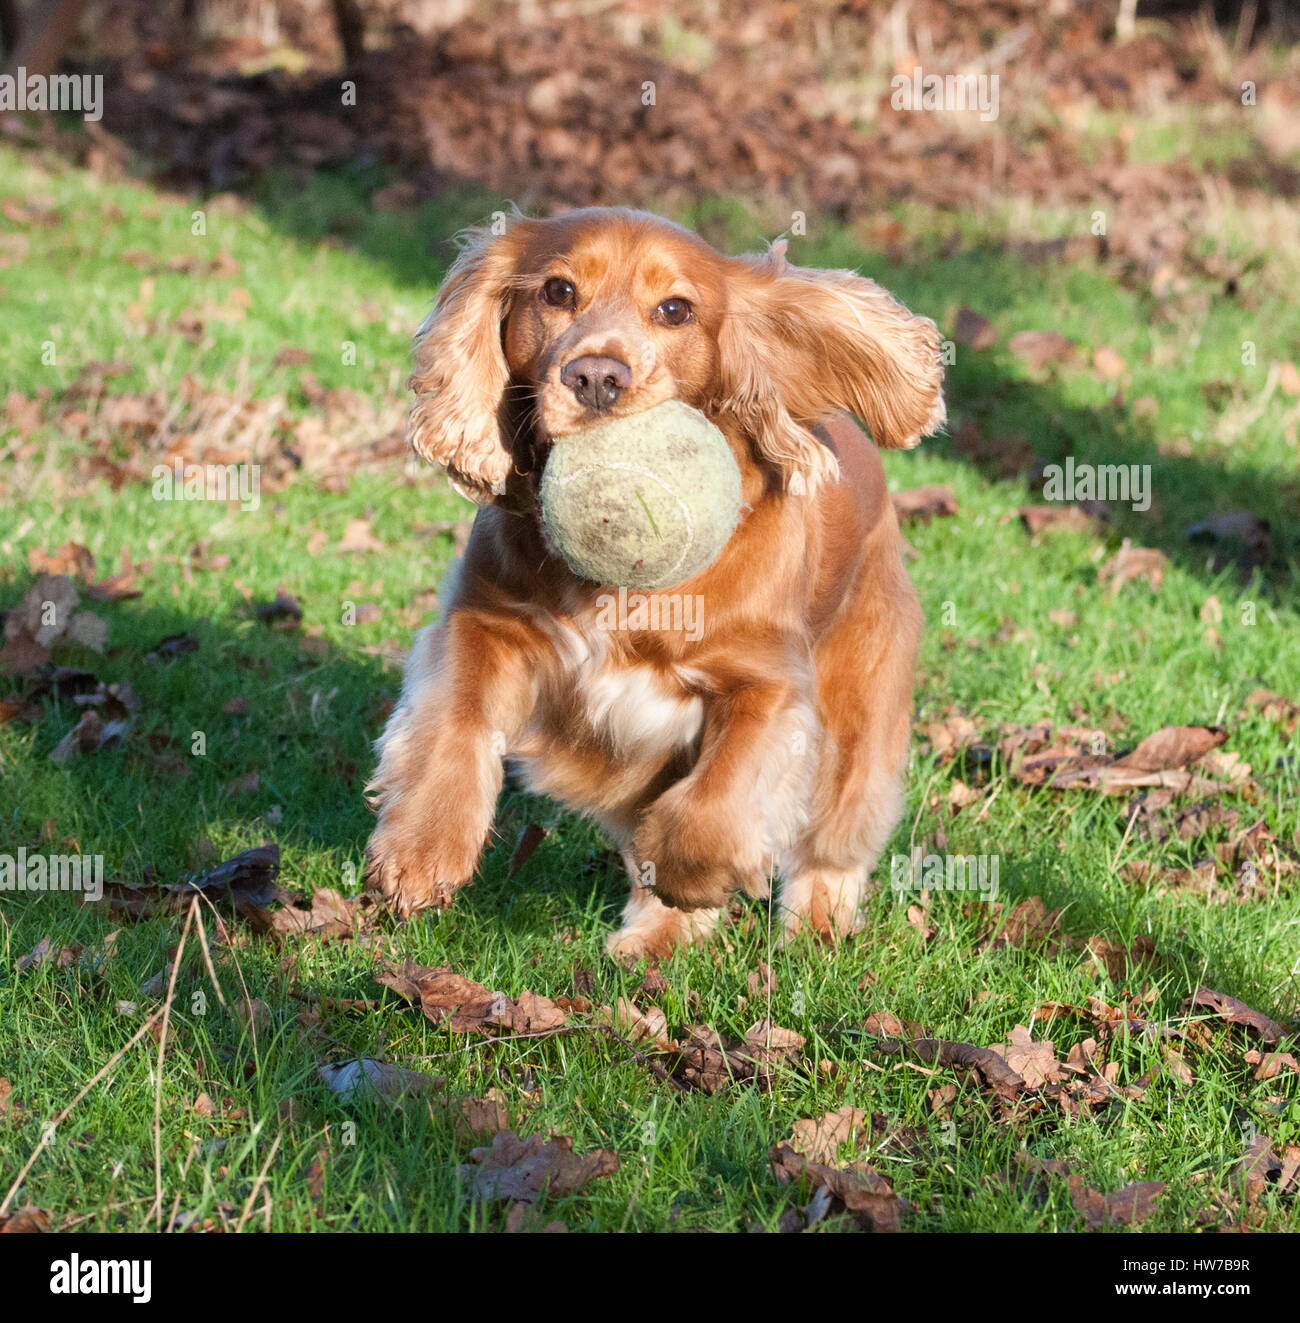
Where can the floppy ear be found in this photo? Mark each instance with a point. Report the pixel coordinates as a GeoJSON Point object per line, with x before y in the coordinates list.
{"type": "Point", "coordinates": [460, 373]}
{"type": "Point", "coordinates": [798, 343]}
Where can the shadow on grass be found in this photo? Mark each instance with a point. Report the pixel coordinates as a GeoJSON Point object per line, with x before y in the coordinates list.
{"type": "Point", "coordinates": [245, 739]}
{"type": "Point", "coordinates": [158, 811]}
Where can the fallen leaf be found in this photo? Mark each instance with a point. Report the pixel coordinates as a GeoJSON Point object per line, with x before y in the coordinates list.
{"type": "Point", "coordinates": [1237, 1012]}
{"type": "Point", "coordinates": [858, 1189]}
{"type": "Point", "coordinates": [1255, 1168]}
{"type": "Point", "coordinates": [974, 330]}
{"type": "Point", "coordinates": [1048, 518]}
{"type": "Point", "coordinates": [46, 952]}
{"type": "Point", "coordinates": [26, 1220]}
{"type": "Point", "coordinates": [921, 504]}
{"type": "Point", "coordinates": [995, 1072]}
{"type": "Point", "coordinates": [173, 646]}
{"type": "Point", "coordinates": [1271, 1065]}
{"type": "Point", "coordinates": [1117, 959]}
{"type": "Point", "coordinates": [1038, 348]}
{"type": "Point", "coordinates": [1126, 1207]}
{"type": "Point", "coordinates": [359, 537]}
{"type": "Point", "coordinates": [468, 1007]}
{"type": "Point", "coordinates": [1033, 1060]}
{"type": "Point", "coordinates": [819, 1140]}
{"type": "Point", "coordinates": [1131, 563]}
{"type": "Point", "coordinates": [281, 613]}
{"type": "Point", "coordinates": [524, 1169]}
{"type": "Point", "coordinates": [708, 1063]}
{"type": "Point", "coordinates": [1274, 707]}
{"type": "Point", "coordinates": [1173, 747]}
{"type": "Point", "coordinates": [638, 1026]}
{"type": "Point", "coordinates": [247, 879]}
{"type": "Point", "coordinates": [1029, 923]}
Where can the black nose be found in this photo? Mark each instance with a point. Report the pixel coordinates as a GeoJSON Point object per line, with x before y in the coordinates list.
{"type": "Point", "coordinates": [596, 381]}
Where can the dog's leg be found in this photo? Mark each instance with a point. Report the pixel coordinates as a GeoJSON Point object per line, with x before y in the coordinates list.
{"type": "Point", "coordinates": [653, 929]}
{"type": "Point", "coordinates": [722, 827]}
{"type": "Point", "coordinates": [864, 700]}
{"type": "Point", "coordinates": [467, 693]}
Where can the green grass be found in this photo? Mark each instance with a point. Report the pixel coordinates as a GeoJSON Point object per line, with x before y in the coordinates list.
{"type": "Point", "coordinates": [1139, 661]}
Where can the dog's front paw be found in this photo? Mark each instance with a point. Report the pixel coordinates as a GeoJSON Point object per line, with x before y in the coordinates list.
{"type": "Point", "coordinates": [700, 849]}
{"type": "Point", "coordinates": [681, 865]}
{"type": "Point", "coordinates": [412, 872]}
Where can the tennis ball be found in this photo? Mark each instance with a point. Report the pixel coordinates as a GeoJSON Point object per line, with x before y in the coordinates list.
{"type": "Point", "coordinates": [642, 501]}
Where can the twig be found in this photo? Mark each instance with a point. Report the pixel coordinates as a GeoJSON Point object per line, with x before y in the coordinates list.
{"type": "Point", "coordinates": [207, 960]}
{"type": "Point", "coordinates": [248, 1001]}
{"type": "Point", "coordinates": [180, 1185]}
{"type": "Point", "coordinates": [157, 1208]}
{"type": "Point", "coordinates": [1119, 849]}
{"type": "Point", "coordinates": [66, 1112]}
{"type": "Point", "coordinates": [257, 1184]}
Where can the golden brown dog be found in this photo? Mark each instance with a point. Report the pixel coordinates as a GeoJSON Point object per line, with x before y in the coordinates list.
{"type": "Point", "coordinates": [772, 739]}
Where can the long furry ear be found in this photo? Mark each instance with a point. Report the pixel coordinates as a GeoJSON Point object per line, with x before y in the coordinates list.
{"type": "Point", "coordinates": [798, 343]}
{"type": "Point", "coordinates": [461, 374]}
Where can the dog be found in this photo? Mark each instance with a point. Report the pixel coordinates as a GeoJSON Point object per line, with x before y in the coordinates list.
{"type": "Point", "coordinates": [773, 741]}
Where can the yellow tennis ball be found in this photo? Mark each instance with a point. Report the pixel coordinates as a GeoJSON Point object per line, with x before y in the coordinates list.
{"type": "Point", "coordinates": [642, 501]}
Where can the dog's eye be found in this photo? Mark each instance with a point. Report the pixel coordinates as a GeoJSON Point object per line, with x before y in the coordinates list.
{"type": "Point", "coordinates": [674, 312]}
{"type": "Point", "coordinates": [560, 293]}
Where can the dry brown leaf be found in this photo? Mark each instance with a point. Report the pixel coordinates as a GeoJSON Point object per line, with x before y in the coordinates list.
{"type": "Point", "coordinates": [859, 1190]}
{"type": "Point", "coordinates": [921, 504]}
{"type": "Point", "coordinates": [650, 1026]}
{"type": "Point", "coordinates": [1274, 707]}
{"type": "Point", "coordinates": [1033, 1060]}
{"type": "Point", "coordinates": [974, 330]}
{"type": "Point", "coordinates": [1029, 923]}
{"type": "Point", "coordinates": [27, 1219]}
{"type": "Point", "coordinates": [1130, 563]}
{"type": "Point", "coordinates": [1126, 1207]}
{"type": "Point", "coordinates": [523, 1169]}
{"type": "Point", "coordinates": [1237, 1012]}
{"type": "Point", "coordinates": [819, 1140]}
{"type": "Point", "coordinates": [469, 1007]}
{"type": "Point", "coordinates": [1256, 1167]}
{"type": "Point", "coordinates": [1271, 1065]}
{"type": "Point", "coordinates": [359, 537]}
{"type": "Point", "coordinates": [1039, 348]}
{"type": "Point", "coordinates": [708, 1063]}
{"type": "Point", "coordinates": [1173, 747]}
{"type": "Point", "coordinates": [994, 1071]}
{"type": "Point", "coordinates": [1051, 518]}
{"type": "Point", "coordinates": [1118, 959]}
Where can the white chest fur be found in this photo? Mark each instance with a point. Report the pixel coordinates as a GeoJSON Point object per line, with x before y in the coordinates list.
{"type": "Point", "coordinates": [637, 709]}
{"type": "Point", "coordinates": [634, 708]}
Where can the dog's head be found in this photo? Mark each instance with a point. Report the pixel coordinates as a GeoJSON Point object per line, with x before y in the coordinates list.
{"type": "Point", "coordinates": [552, 324]}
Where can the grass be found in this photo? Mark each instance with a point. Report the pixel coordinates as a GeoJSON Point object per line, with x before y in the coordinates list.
{"type": "Point", "coordinates": [324, 271]}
